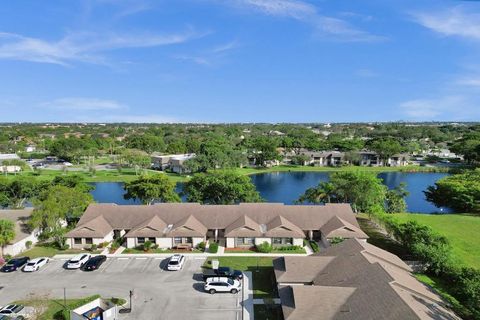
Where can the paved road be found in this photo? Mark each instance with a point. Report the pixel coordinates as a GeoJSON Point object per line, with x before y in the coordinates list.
{"type": "Point", "coordinates": [159, 294]}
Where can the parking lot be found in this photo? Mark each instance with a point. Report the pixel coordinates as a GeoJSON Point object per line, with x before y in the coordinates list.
{"type": "Point", "coordinates": [158, 294]}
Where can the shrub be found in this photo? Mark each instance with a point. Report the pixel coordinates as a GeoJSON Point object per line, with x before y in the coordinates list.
{"type": "Point", "coordinates": [213, 248]}
{"type": "Point", "coordinates": [265, 247]}
{"type": "Point", "coordinates": [93, 247]}
{"type": "Point", "coordinates": [289, 248]}
{"type": "Point", "coordinates": [28, 244]}
{"type": "Point", "coordinates": [155, 246]}
{"type": "Point", "coordinates": [336, 240]}
{"type": "Point", "coordinates": [314, 246]}
{"type": "Point", "coordinates": [201, 246]}
{"type": "Point", "coordinates": [147, 245]}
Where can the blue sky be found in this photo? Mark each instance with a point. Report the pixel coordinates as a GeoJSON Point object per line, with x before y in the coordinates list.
{"type": "Point", "coordinates": [239, 60]}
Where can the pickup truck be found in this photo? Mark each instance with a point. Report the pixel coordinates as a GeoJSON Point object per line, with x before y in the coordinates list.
{"type": "Point", "coordinates": [222, 272]}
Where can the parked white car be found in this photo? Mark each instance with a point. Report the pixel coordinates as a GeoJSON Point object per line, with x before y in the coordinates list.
{"type": "Point", "coordinates": [176, 262]}
{"type": "Point", "coordinates": [14, 310]}
{"type": "Point", "coordinates": [78, 261]}
{"type": "Point", "coordinates": [35, 264]}
{"type": "Point", "coordinates": [222, 284]}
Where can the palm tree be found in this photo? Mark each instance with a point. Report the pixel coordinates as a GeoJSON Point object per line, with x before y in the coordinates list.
{"type": "Point", "coordinates": [323, 193]}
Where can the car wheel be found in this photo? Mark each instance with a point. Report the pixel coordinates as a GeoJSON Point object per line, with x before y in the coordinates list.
{"type": "Point", "coordinates": [212, 291]}
{"type": "Point", "coordinates": [234, 291]}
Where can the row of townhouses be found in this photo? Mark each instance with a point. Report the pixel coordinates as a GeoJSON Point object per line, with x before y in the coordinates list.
{"type": "Point", "coordinates": [170, 225]}
{"type": "Point", "coordinates": [336, 158]}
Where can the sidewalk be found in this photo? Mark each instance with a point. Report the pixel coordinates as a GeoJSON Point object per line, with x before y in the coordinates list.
{"type": "Point", "coordinates": [248, 300]}
{"type": "Point", "coordinates": [196, 255]}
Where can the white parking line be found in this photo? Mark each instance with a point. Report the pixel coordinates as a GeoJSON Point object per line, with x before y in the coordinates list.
{"type": "Point", "coordinates": [140, 258]}
{"type": "Point", "coordinates": [123, 258]}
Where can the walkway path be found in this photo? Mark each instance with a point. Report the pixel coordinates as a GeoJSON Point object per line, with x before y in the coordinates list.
{"type": "Point", "coordinates": [248, 300]}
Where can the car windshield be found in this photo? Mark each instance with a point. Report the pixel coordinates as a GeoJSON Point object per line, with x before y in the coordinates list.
{"type": "Point", "coordinates": [230, 281]}
{"type": "Point", "coordinates": [31, 264]}
{"type": "Point", "coordinates": [17, 308]}
{"type": "Point", "coordinates": [73, 261]}
{"type": "Point", "coordinates": [173, 262]}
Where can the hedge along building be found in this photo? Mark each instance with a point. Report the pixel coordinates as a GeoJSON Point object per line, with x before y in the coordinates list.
{"type": "Point", "coordinates": [243, 225]}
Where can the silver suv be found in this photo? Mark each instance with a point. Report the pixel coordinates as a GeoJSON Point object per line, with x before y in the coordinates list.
{"type": "Point", "coordinates": [222, 284]}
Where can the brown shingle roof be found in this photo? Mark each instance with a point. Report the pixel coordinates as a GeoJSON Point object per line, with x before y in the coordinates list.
{"type": "Point", "coordinates": [95, 228]}
{"type": "Point", "coordinates": [281, 227]}
{"type": "Point", "coordinates": [385, 289]}
{"type": "Point", "coordinates": [243, 227]}
{"type": "Point", "coordinates": [188, 227]}
{"type": "Point", "coordinates": [294, 217]}
{"type": "Point", "coordinates": [20, 217]}
{"type": "Point", "coordinates": [153, 227]}
{"type": "Point", "coordinates": [337, 227]}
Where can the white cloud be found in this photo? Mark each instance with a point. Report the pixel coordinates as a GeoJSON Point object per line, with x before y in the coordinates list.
{"type": "Point", "coordinates": [366, 73]}
{"type": "Point", "coordinates": [81, 47]}
{"type": "Point", "coordinates": [453, 107]}
{"type": "Point", "coordinates": [472, 81]}
{"type": "Point", "coordinates": [83, 104]}
{"type": "Point", "coordinates": [325, 26]}
{"type": "Point", "coordinates": [453, 21]}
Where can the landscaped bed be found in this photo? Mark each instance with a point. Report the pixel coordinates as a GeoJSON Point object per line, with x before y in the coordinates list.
{"type": "Point", "coordinates": [50, 251]}
{"type": "Point", "coordinates": [264, 284]}
{"type": "Point", "coordinates": [267, 312]}
{"type": "Point", "coordinates": [141, 251]}
{"type": "Point", "coordinates": [56, 309]}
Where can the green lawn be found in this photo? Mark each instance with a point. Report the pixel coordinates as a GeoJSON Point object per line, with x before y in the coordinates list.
{"type": "Point", "coordinates": [47, 251]}
{"type": "Point", "coordinates": [55, 307]}
{"type": "Point", "coordinates": [267, 312]}
{"type": "Point", "coordinates": [141, 251]}
{"type": "Point", "coordinates": [461, 230]}
{"type": "Point", "coordinates": [264, 285]}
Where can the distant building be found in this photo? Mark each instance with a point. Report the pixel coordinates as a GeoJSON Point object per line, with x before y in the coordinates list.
{"type": "Point", "coordinates": [172, 162]}
{"type": "Point", "coordinates": [30, 148]}
{"type": "Point", "coordinates": [22, 232]}
{"type": "Point", "coordinates": [98, 309]}
{"type": "Point", "coordinates": [8, 156]}
{"type": "Point", "coordinates": [10, 169]}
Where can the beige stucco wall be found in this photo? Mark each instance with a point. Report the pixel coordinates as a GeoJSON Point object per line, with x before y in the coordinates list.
{"type": "Point", "coordinates": [230, 242]}
{"type": "Point", "coordinates": [196, 241]}
{"type": "Point", "coordinates": [259, 241]}
{"type": "Point", "coordinates": [18, 247]}
{"type": "Point", "coordinates": [131, 242]}
{"type": "Point", "coordinates": [164, 243]}
{"type": "Point", "coordinates": [298, 242]}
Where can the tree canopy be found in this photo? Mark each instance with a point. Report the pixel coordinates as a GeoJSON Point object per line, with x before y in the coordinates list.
{"type": "Point", "coordinates": [7, 232]}
{"type": "Point", "coordinates": [460, 192]}
{"type": "Point", "coordinates": [150, 188]}
{"type": "Point", "coordinates": [221, 187]}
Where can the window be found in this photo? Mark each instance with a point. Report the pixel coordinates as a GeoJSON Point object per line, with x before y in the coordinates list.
{"type": "Point", "coordinates": [189, 240]}
{"type": "Point", "coordinates": [277, 240]}
{"type": "Point", "coordinates": [245, 241]}
{"type": "Point", "coordinates": [177, 240]}
{"type": "Point", "coordinates": [282, 240]}
{"type": "Point", "coordinates": [288, 240]}
{"type": "Point", "coordinates": [141, 240]}
{"type": "Point", "coordinates": [77, 240]}
{"type": "Point", "coordinates": [88, 240]}
{"type": "Point", "coordinates": [152, 240]}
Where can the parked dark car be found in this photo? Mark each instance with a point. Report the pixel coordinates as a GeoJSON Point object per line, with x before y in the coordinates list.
{"type": "Point", "coordinates": [14, 264]}
{"type": "Point", "coordinates": [94, 263]}
{"type": "Point", "coordinates": [222, 272]}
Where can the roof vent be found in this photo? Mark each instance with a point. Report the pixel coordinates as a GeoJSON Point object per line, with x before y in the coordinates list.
{"type": "Point", "coordinates": [263, 228]}
{"type": "Point", "coordinates": [168, 229]}
{"type": "Point", "coordinates": [345, 308]}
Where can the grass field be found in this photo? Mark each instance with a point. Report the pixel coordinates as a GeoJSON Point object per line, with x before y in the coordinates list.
{"type": "Point", "coordinates": [129, 174]}
{"type": "Point", "coordinates": [461, 230]}
{"type": "Point", "coordinates": [262, 269]}
{"type": "Point", "coordinates": [48, 251]}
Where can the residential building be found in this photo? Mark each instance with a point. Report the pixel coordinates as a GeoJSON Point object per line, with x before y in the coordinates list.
{"type": "Point", "coordinates": [8, 157]}
{"type": "Point", "coordinates": [172, 162]}
{"type": "Point", "coordinates": [10, 169]}
{"type": "Point", "coordinates": [354, 280]}
{"type": "Point", "coordinates": [244, 225]}
{"type": "Point", "coordinates": [23, 234]}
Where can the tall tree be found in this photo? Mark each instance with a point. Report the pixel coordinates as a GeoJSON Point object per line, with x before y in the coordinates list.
{"type": "Point", "coordinates": [57, 206]}
{"type": "Point", "coordinates": [7, 232]}
{"type": "Point", "coordinates": [363, 190]}
{"type": "Point", "coordinates": [395, 199]}
{"type": "Point", "coordinates": [221, 187]}
{"type": "Point", "coordinates": [385, 147]}
{"type": "Point", "coordinates": [150, 188]}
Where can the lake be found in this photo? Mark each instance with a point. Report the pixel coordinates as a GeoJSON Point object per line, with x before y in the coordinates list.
{"type": "Point", "coordinates": [286, 187]}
